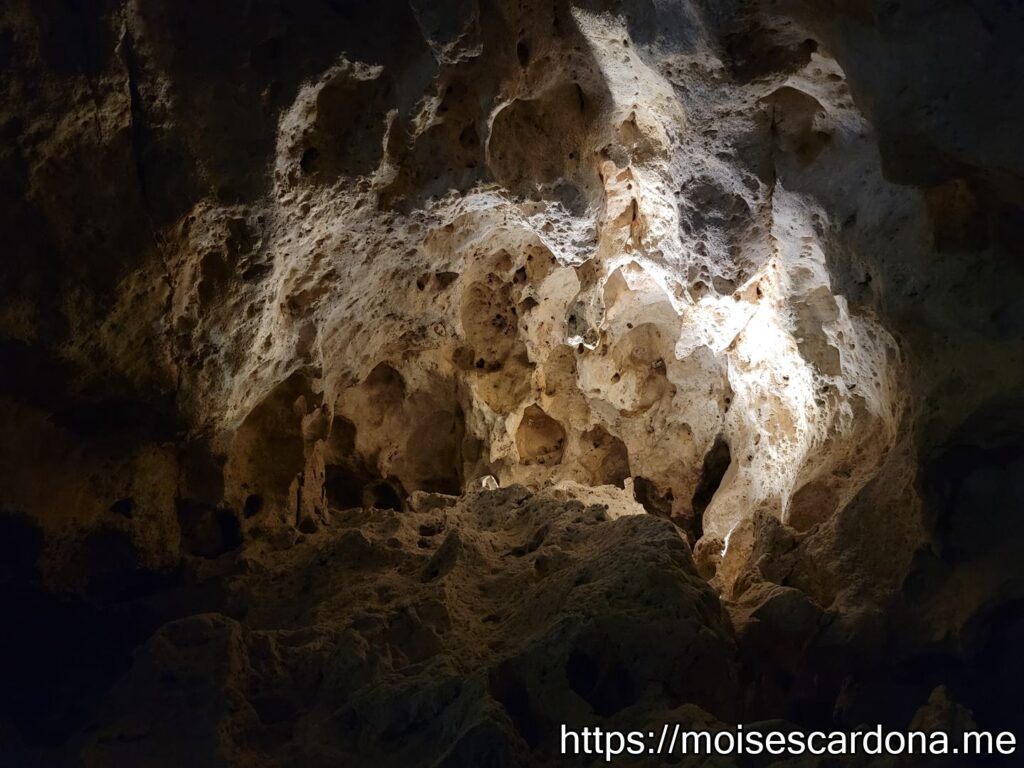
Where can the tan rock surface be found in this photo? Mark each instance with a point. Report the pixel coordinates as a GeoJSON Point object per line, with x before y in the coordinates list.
{"type": "Point", "coordinates": [288, 280]}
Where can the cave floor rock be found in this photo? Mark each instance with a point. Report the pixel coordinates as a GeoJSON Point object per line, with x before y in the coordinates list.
{"type": "Point", "coordinates": [464, 634]}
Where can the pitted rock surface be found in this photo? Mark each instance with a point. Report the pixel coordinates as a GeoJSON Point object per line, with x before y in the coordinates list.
{"type": "Point", "coordinates": [293, 282]}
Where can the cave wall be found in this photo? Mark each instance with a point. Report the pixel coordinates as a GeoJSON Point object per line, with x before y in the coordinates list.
{"type": "Point", "coordinates": [753, 265]}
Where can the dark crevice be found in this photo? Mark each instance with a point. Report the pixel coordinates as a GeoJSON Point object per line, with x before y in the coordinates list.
{"type": "Point", "coordinates": [509, 688]}
{"type": "Point", "coordinates": [253, 505]}
{"type": "Point", "coordinates": [716, 463]}
{"type": "Point", "coordinates": [207, 531]}
{"type": "Point", "coordinates": [652, 498]}
{"type": "Point", "coordinates": [349, 485]}
{"type": "Point", "coordinates": [603, 682]}
{"type": "Point", "coordinates": [139, 141]}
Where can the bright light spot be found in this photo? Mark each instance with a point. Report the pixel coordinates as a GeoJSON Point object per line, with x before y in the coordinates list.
{"type": "Point", "coordinates": [725, 545]}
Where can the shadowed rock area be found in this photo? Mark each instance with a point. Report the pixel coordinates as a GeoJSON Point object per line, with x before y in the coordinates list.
{"type": "Point", "coordinates": [393, 382]}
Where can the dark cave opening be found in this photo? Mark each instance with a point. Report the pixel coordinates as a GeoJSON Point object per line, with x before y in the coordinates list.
{"type": "Point", "coordinates": [716, 463]}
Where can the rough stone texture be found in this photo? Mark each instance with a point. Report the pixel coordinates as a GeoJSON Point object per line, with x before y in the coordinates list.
{"type": "Point", "coordinates": [754, 265]}
{"type": "Point", "coordinates": [467, 632]}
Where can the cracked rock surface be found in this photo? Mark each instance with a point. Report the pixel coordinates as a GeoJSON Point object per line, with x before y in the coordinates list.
{"type": "Point", "coordinates": [395, 381]}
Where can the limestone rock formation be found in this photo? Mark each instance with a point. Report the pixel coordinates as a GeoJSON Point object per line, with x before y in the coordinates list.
{"type": "Point", "coordinates": [468, 631]}
{"type": "Point", "coordinates": [287, 284]}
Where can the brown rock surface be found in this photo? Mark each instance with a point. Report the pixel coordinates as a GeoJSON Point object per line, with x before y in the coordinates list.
{"type": "Point", "coordinates": [287, 284]}
{"type": "Point", "coordinates": [468, 632]}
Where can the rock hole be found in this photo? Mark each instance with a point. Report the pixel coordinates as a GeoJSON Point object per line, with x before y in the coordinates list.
{"type": "Point", "coordinates": [523, 53]}
{"type": "Point", "coordinates": [652, 498]}
{"type": "Point", "coordinates": [308, 162]}
{"type": "Point", "coordinates": [540, 439]}
{"type": "Point", "coordinates": [384, 495]}
{"type": "Point", "coordinates": [605, 457]}
{"type": "Point", "coordinates": [444, 279]}
{"type": "Point", "coordinates": [387, 385]}
{"type": "Point", "coordinates": [123, 507]}
{"type": "Point", "coordinates": [716, 462]}
{"type": "Point", "coordinates": [253, 505]}
{"type": "Point", "coordinates": [343, 487]}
